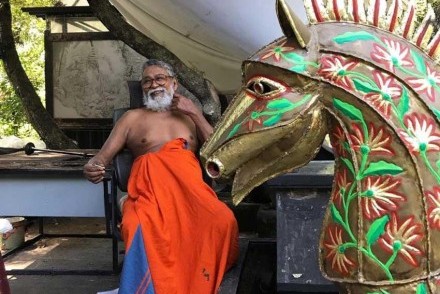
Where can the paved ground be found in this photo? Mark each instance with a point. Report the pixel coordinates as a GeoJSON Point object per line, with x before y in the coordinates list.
{"type": "Point", "coordinates": [66, 253]}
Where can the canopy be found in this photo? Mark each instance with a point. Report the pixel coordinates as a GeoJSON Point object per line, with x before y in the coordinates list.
{"type": "Point", "coordinates": [209, 35]}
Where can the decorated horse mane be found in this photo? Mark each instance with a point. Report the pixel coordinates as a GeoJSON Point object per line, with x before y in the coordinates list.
{"type": "Point", "coordinates": [365, 74]}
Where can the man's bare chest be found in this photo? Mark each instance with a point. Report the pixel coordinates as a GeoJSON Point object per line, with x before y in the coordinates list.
{"type": "Point", "coordinates": [152, 134]}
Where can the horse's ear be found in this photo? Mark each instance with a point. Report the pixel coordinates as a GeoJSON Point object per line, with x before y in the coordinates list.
{"type": "Point", "coordinates": [291, 25]}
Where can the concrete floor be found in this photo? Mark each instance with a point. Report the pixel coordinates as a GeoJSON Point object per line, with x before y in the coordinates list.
{"type": "Point", "coordinates": [64, 253]}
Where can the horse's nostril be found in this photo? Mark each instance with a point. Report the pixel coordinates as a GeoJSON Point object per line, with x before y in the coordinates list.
{"type": "Point", "coordinates": [213, 169]}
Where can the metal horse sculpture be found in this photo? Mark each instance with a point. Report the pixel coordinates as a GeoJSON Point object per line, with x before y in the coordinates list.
{"type": "Point", "coordinates": [367, 76]}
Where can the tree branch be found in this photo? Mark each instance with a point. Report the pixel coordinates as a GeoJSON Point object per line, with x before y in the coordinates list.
{"type": "Point", "coordinates": [37, 115]}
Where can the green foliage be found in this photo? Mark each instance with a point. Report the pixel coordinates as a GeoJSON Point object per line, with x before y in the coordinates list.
{"type": "Point", "coordinates": [28, 32]}
{"type": "Point", "coordinates": [377, 228]}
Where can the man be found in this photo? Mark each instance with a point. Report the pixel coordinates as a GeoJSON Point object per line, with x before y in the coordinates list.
{"type": "Point", "coordinates": [179, 237]}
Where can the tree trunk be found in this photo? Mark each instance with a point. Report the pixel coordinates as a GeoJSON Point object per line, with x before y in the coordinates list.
{"type": "Point", "coordinates": [37, 115]}
{"type": "Point", "coordinates": [191, 79]}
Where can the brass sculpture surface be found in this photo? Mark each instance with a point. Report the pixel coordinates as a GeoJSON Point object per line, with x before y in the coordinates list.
{"type": "Point", "coordinates": [367, 75]}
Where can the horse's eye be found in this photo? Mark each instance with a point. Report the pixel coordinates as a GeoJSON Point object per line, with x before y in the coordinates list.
{"type": "Point", "coordinates": [262, 87]}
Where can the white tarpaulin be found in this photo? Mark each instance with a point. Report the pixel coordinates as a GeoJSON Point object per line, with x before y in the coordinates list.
{"type": "Point", "coordinates": [210, 35]}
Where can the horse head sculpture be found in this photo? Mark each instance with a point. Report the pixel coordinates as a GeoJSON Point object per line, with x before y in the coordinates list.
{"type": "Point", "coordinates": [367, 76]}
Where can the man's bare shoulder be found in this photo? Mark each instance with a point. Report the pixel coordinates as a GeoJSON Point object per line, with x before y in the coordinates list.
{"type": "Point", "coordinates": [135, 111]}
{"type": "Point", "coordinates": [133, 114]}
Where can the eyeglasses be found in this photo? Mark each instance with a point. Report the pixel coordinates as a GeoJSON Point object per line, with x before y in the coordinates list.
{"type": "Point", "coordinates": [159, 79]}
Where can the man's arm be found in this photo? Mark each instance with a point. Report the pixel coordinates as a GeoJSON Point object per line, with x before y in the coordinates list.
{"type": "Point", "coordinates": [94, 170]}
{"type": "Point", "coordinates": [186, 106]}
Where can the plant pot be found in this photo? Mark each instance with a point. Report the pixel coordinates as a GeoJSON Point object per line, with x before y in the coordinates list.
{"type": "Point", "coordinates": [17, 237]}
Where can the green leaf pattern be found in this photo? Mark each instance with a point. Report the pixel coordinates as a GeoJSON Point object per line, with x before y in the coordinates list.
{"type": "Point", "coordinates": [377, 228]}
{"type": "Point", "coordinates": [381, 168]}
{"type": "Point", "coordinates": [354, 36]}
{"type": "Point", "coordinates": [272, 114]}
{"type": "Point", "coordinates": [349, 194]}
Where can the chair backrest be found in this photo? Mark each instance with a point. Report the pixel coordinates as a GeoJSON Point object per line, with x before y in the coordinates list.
{"type": "Point", "coordinates": [135, 91]}
{"type": "Point", "coordinates": [123, 161]}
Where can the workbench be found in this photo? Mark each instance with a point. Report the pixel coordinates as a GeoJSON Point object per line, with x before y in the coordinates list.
{"type": "Point", "coordinates": [53, 185]}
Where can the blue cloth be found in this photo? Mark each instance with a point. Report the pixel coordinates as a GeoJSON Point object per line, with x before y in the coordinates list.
{"type": "Point", "coordinates": [136, 275]}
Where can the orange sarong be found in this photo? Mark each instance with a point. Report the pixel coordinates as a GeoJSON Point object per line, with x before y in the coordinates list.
{"type": "Point", "coordinates": [174, 221]}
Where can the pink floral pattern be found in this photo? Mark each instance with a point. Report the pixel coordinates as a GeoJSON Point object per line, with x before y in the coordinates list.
{"type": "Point", "coordinates": [393, 55]}
{"type": "Point", "coordinates": [422, 133]}
{"type": "Point", "coordinates": [336, 253]}
{"type": "Point", "coordinates": [378, 143]}
{"type": "Point", "coordinates": [276, 51]}
{"type": "Point", "coordinates": [334, 68]}
{"type": "Point", "coordinates": [337, 138]}
{"type": "Point", "coordinates": [404, 235]}
{"type": "Point", "coordinates": [342, 185]}
{"type": "Point", "coordinates": [380, 196]}
{"type": "Point", "coordinates": [434, 208]}
{"type": "Point", "coordinates": [427, 84]}
{"type": "Point", "coordinates": [389, 90]}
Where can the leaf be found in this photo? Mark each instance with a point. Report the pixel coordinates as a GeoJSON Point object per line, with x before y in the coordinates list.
{"type": "Point", "coordinates": [376, 229]}
{"type": "Point", "coordinates": [438, 165]}
{"type": "Point", "coordinates": [279, 104]}
{"type": "Point", "coordinates": [403, 106]}
{"type": "Point", "coordinates": [272, 120]}
{"type": "Point", "coordinates": [354, 36]}
{"type": "Point", "coordinates": [436, 112]}
{"type": "Point", "coordinates": [380, 168]}
{"type": "Point", "coordinates": [365, 86]}
{"type": "Point", "coordinates": [337, 218]}
{"type": "Point", "coordinates": [234, 130]}
{"type": "Point", "coordinates": [349, 164]}
{"type": "Point", "coordinates": [292, 56]}
{"type": "Point", "coordinates": [421, 289]}
{"type": "Point", "coordinates": [348, 110]}
{"type": "Point", "coordinates": [419, 62]}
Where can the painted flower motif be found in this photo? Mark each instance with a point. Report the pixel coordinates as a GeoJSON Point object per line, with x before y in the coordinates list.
{"type": "Point", "coordinates": [336, 251]}
{"type": "Point", "coordinates": [341, 187]}
{"type": "Point", "coordinates": [254, 119]}
{"type": "Point", "coordinates": [434, 208]}
{"type": "Point", "coordinates": [405, 236]}
{"type": "Point", "coordinates": [335, 68]}
{"type": "Point", "coordinates": [378, 141]}
{"type": "Point", "coordinates": [427, 84]}
{"type": "Point", "coordinates": [389, 90]}
{"type": "Point", "coordinates": [392, 56]}
{"type": "Point", "coordinates": [422, 135]}
{"type": "Point", "coordinates": [337, 139]}
{"type": "Point", "coordinates": [380, 196]}
{"type": "Point", "coordinates": [277, 51]}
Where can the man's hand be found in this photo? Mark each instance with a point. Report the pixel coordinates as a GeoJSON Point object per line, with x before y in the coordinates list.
{"type": "Point", "coordinates": [94, 172]}
{"type": "Point", "coordinates": [185, 105]}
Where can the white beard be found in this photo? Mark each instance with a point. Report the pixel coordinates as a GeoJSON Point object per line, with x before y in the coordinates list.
{"type": "Point", "coordinates": [158, 99]}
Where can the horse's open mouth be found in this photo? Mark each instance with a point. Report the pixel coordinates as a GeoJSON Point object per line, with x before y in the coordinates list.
{"type": "Point", "coordinates": [213, 169]}
{"type": "Point", "coordinates": [216, 170]}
